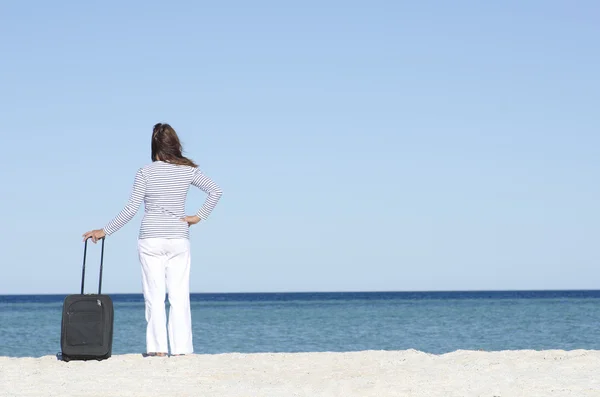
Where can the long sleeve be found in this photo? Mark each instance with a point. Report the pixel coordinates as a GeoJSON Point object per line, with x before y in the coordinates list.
{"type": "Point", "coordinates": [135, 200]}
{"type": "Point", "coordinates": [214, 192]}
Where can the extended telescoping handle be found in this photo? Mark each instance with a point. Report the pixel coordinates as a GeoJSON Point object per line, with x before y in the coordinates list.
{"type": "Point", "coordinates": [101, 264]}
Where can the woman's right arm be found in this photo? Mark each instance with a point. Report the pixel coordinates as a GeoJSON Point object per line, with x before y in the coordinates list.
{"type": "Point", "coordinates": [208, 186]}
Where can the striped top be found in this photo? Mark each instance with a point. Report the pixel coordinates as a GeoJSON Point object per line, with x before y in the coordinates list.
{"type": "Point", "coordinates": [163, 188]}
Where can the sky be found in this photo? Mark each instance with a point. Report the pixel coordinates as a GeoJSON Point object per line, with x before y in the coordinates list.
{"type": "Point", "coordinates": [360, 146]}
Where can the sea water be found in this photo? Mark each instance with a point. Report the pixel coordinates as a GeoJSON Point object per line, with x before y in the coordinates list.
{"type": "Point", "coordinates": [433, 322]}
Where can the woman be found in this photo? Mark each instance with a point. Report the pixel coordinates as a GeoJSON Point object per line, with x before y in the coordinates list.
{"type": "Point", "coordinates": [163, 243]}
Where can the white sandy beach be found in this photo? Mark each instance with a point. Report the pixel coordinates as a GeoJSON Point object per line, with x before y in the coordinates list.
{"type": "Point", "coordinates": [369, 373]}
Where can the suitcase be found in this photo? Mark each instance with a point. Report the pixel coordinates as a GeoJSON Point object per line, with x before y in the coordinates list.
{"type": "Point", "coordinates": [87, 322]}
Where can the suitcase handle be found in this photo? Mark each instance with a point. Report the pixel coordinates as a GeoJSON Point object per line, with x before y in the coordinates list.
{"type": "Point", "coordinates": [101, 263]}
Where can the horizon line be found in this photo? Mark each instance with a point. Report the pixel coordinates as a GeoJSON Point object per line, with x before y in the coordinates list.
{"type": "Point", "coordinates": [330, 292]}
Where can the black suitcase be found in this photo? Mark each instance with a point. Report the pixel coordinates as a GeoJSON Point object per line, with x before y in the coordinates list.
{"type": "Point", "coordinates": [87, 322]}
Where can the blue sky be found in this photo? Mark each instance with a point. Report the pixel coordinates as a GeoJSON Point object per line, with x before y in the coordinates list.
{"type": "Point", "coordinates": [382, 145]}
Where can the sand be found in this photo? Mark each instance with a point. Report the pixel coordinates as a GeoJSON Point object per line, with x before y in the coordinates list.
{"type": "Point", "coordinates": [368, 373]}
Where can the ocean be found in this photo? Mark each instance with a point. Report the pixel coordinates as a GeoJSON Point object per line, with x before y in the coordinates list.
{"type": "Point", "coordinates": [433, 322]}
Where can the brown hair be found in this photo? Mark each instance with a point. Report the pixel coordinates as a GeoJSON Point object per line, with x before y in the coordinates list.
{"type": "Point", "coordinates": [167, 147]}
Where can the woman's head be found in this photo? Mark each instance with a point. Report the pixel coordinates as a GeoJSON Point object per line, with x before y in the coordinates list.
{"type": "Point", "coordinates": [167, 147]}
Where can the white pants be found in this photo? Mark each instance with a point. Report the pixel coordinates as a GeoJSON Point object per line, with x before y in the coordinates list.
{"type": "Point", "coordinates": [166, 268]}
